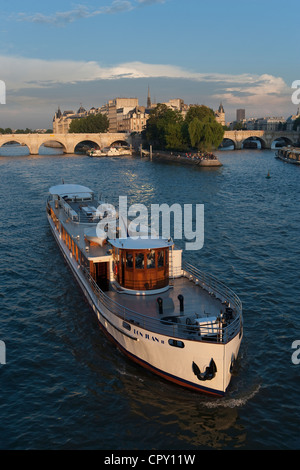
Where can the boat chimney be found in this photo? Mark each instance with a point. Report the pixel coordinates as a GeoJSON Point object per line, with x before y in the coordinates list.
{"type": "Point", "coordinates": [160, 305]}
{"type": "Point", "coordinates": [180, 298]}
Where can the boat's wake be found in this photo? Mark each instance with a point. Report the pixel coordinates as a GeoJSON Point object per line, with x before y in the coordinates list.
{"type": "Point", "coordinates": [232, 402]}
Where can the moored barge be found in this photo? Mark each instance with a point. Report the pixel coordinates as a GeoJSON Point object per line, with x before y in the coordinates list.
{"type": "Point", "coordinates": [289, 155]}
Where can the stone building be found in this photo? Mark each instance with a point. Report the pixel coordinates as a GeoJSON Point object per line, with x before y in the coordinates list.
{"type": "Point", "coordinates": [290, 120]}
{"type": "Point", "coordinates": [135, 120]}
{"type": "Point", "coordinates": [117, 109]}
{"type": "Point", "coordinates": [62, 121]}
{"type": "Point", "coordinates": [269, 123]}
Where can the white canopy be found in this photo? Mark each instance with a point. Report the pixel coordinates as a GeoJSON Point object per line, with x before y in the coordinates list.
{"type": "Point", "coordinates": [91, 235]}
{"type": "Point", "coordinates": [71, 190]}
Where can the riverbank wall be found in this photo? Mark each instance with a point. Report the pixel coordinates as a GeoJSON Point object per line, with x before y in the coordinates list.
{"type": "Point", "coordinates": [186, 158]}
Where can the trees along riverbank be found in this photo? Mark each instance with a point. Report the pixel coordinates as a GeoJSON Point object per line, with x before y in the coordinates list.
{"type": "Point", "coordinates": [167, 129]}
{"type": "Point", "coordinates": [93, 123]}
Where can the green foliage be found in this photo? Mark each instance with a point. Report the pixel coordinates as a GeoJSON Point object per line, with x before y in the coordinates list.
{"type": "Point", "coordinates": [163, 126]}
{"type": "Point", "coordinates": [296, 124]}
{"type": "Point", "coordinates": [206, 134]}
{"type": "Point", "coordinates": [166, 129]}
{"type": "Point", "coordinates": [238, 126]}
{"type": "Point", "coordinates": [94, 123]}
{"type": "Point", "coordinates": [200, 112]}
{"type": "Point", "coordinates": [174, 137]}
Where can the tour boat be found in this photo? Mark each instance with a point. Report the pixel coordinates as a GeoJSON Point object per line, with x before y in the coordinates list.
{"type": "Point", "coordinates": [289, 155]}
{"type": "Point", "coordinates": [109, 152]}
{"type": "Point", "coordinates": [164, 314]}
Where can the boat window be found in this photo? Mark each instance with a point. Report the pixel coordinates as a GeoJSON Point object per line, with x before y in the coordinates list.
{"type": "Point", "coordinates": [151, 259]}
{"type": "Point", "coordinates": [126, 325]}
{"type": "Point", "coordinates": [160, 259]}
{"type": "Point", "coordinates": [176, 343]}
{"type": "Point", "coordinates": [139, 261]}
{"type": "Point", "coordinates": [129, 260]}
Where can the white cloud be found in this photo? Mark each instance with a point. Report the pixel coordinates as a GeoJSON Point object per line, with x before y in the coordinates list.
{"type": "Point", "coordinates": [21, 72]}
{"type": "Point", "coordinates": [57, 18]}
{"type": "Point", "coordinates": [25, 77]}
{"type": "Point", "coordinates": [61, 18]}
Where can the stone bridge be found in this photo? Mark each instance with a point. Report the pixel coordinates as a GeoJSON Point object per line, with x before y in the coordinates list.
{"type": "Point", "coordinates": [68, 141]}
{"type": "Point", "coordinates": [266, 138]}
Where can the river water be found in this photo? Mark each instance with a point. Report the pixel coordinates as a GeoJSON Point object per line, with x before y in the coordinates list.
{"type": "Point", "coordinates": [65, 386]}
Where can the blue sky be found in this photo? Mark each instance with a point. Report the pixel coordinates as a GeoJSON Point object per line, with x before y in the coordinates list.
{"type": "Point", "coordinates": [64, 53]}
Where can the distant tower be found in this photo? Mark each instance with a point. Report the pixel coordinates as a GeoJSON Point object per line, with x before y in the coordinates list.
{"type": "Point", "coordinates": [240, 114]}
{"type": "Point", "coordinates": [148, 99]}
{"type": "Point", "coordinates": [220, 115]}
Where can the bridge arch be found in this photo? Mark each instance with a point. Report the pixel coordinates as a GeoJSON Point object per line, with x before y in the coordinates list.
{"type": "Point", "coordinates": [51, 143]}
{"type": "Point", "coordinates": [119, 143]}
{"type": "Point", "coordinates": [86, 143]}
{"type": "Point", "coordinates": [255, 139]}
{"type": "Point", "coordinates": [285, 141]}
{"type": "Point", "coordinates": [12, 139]}
{"type": "Point", "coordinates": [258, 142]}
{"type": "Point", "coordinates": [227, 144]}
{"type": "Point", "coordinates": [94, 141]}
{"type": "Point", "coordinates": [23, 149]}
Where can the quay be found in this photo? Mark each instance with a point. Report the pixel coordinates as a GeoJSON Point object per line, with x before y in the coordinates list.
{"type": "Point", "coordinates": [203, 159]}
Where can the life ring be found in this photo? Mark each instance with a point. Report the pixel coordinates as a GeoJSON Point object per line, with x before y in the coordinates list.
{"type": "Point", "coordinates": [116, 269]}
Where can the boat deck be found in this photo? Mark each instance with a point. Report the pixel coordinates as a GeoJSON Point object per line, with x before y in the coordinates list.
{"type": "Point", "coordinates": [77, 220]}
{"type": "Point", "coordinates": [197, 302]}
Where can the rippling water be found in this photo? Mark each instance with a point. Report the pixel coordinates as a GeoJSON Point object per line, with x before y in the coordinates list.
{"type": "Point", "coordinates": [64, 386]}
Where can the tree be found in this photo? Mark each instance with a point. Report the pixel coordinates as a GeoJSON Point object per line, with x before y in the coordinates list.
{"type": "Point", "coordinates": [200, 112]}
{"type": "Point", "coordinates": [238, 126]}
{"type": "Point", "coordinates": [174, 137]}
{"type": "Point", "coordinates": [205, 134]}
{"type": "Point", "coordinates": [166, 129]}
{"type": "Point", "coordinates": [201, 129]}
{"type": "Point", "coordinates": [296, 123]}
{"type": "Point", "coordinates": [162, 129]}
{"type": "Point", "coordinates": [94, 123]}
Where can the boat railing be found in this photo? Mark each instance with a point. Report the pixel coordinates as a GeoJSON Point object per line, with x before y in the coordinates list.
{"type": "Point", "coordinates": [218, 332]}
{"type": "Point", "coordinates": [213, 286]}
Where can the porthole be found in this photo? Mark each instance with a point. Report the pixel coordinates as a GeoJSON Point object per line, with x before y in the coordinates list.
{"type": "Point", "coordinates": [176, 343]}
{"type": "Point", "coordinates": [126, 326]}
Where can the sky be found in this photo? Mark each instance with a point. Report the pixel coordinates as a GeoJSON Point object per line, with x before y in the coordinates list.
{"type": "Point", "coordinates": [244, 54]}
